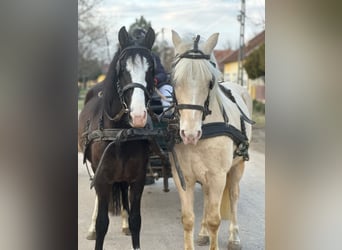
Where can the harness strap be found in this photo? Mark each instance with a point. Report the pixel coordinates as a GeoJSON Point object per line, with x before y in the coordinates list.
{"type": "Point", "coordinates": [195, 53]}
{"type": "Point", "coordinates": [116, 136]}
{"type": "Point", "coordinates": [100, 164]}
{"type": "Point", "coordinates": [178, 169]}
{"type": "Point", "coordinates": [118, 116]}
{"type": "Point", "coordinates": [221, 128]}
{"type": "Point", "coordinates": [123, 135]}
{"type": "Point", "coordinates": [228, 93]}
{"type": "Point", "coordinates": [136, 85]}
{"type": "Point", "coordinates": [190, 106]}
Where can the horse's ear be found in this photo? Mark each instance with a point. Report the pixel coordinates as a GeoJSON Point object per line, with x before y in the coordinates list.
{"type": "Point", "coordinates": [210, 43]}
{"type": "Point", "coordinates": [176, 39]}
{"type": "Point", "coordinates": [149, 38]}
{"type": "Point", "coordinates": [123, 36]}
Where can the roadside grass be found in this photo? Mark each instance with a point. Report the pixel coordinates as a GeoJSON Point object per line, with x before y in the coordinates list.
{"type": "Point", "coordinates": [80, 104]}
{"type": "Point", "coordinates": [258, 114]}
{"type": "Point", "coordinates": [259, 119]}
{"type": "Point", "coordinates": [81, 97]}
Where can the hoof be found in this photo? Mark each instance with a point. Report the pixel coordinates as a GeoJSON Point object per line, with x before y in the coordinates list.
{"type": "Point", "coordinates": [91, 236]}
{"type": "Point", "coordinates": [126, 231]}
{"type": "Point", "coordinates": [234, 245]}
{"type": "Point", "coordinates": [203, 241]}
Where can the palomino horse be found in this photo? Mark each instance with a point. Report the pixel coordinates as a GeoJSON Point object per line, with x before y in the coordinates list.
{"type": "Point", "coordinates": [121, 105]}
{"type": "Point", "coordinates": [201, 101]}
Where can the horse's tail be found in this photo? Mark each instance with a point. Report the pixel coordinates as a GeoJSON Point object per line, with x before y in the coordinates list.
{"type": "Point", "coordinates": [114, 206]}
{"type": "Point", "coordinates": [225, 202]}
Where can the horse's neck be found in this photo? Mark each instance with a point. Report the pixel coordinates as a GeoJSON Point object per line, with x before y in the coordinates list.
{"type": "Point", "coordinates": [216, 104]}
{"type": "Point", "coordinates": [231, 109]}
{"type": "Point", "coordinates": [112, 104]}
{"type": "Point", "coordinates": [216, 114]}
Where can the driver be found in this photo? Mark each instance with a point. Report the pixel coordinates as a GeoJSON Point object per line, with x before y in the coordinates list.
{"type": "Point", "coordinates": [163, 88]}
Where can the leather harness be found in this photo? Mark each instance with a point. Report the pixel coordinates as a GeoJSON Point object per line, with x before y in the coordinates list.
{"type": "Point", "coordinates": [171, 133]}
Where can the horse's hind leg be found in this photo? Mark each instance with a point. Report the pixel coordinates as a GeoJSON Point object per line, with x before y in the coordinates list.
{"type": "Point", "coordinates": [134, 219]}
{"type": "Point", "coordinates": [91, 231]}
{"type": "Point", "coordinates": [234, 177]}
{"type": "Point", "coordinates": [125, 208]}
{"type": "Point", "coordinates": [102, 220]}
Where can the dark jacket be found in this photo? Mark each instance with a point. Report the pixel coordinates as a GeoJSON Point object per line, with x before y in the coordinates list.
{"type": "Point", "coordinates": [160, 75]}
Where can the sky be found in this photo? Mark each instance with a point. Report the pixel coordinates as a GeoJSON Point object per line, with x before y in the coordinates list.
{"type": "Point", "coordinates": [203, 17]}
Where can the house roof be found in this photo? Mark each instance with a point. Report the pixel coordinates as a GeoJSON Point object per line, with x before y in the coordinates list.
{"type": "Point", "coordinates": [250, 46]}
{"type": "Point", "coordinates": [221, 55]}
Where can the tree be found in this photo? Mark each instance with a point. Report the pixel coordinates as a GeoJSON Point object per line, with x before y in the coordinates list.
{"type": "Point", "coordinates": [161, 48]}
{"type": "Point", "coordinates": [88, 30]}
{"type": "Point", "coordinates": [139, 23]}
{"type": "Point", "coordinates": [91, 37]}
{"type": "Point", "coordinates": [89, 69]}
{"type": "Point", "coordinates": [255, 63]}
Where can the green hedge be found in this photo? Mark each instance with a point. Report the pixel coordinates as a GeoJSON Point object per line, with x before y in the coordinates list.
{"type": "Point", "coordinates": [258, 107]}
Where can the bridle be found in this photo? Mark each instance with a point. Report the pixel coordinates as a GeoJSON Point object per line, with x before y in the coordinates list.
{"type": "Point", "coordinates": [195, 54]}
{"type": "Point", "coordinates": [122, 90]}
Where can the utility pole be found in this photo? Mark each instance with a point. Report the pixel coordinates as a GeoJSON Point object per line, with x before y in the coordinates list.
{"type": "Point", "coordinates": [241, 19]}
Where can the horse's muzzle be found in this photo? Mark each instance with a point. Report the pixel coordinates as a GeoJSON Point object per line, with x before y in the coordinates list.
{"type": "Point", "coordinates": [190, 137]}
{"type": "Point", "coordinates": [138, 120]}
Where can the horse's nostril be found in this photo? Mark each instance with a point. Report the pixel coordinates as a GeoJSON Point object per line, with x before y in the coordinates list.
{"type": "Point", "coordinates": [183, 133]}
{"type": "Point", "coordinates": [199, 133]}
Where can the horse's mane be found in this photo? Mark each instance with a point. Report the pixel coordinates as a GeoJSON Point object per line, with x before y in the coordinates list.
{"type": "Point", "coordinates": [110, 88]}
{"type": "Point", "coordinates": [185, 69]}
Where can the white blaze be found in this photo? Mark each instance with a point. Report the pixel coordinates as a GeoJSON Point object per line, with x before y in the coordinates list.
{"type": "Point", "coordinates": [137, 69]}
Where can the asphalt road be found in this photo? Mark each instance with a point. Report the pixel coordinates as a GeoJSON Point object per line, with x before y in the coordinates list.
{"type": "Point", "coordinates": [161, 216]}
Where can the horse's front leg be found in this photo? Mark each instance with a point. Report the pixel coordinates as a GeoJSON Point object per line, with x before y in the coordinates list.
{"type": "Point", "coordinates": [214, 188]}
{"type": "Point", "coordinates": [203, 235]}
{"type": "Point", "coordinates": [134, 219]}
{"type": "Point", "coordinates": [102, 220]}
{"type": "Point", "coordinates": [234, 177]}
{"type": "Point", "coordinates": [187, 204]}
{"type": "Point", "coordinates": [91, 231]}
{"type": "Point", "coordinates": [188, 216]}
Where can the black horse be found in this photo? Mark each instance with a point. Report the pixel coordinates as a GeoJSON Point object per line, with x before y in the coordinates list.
{"type": "Point", "coordinates": [118, 104]}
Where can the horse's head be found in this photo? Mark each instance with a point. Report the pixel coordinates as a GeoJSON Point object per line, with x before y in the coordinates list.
{"type": "Point", "coordinates": [135, 71]}
{"type": "Point", "coordinates": [193, 78]}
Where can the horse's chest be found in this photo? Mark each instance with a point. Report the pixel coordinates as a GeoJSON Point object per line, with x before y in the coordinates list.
{"type": "Point", "coordinates": [126, 162]}
{"type": "Point", "coordinates": [212, 155]}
